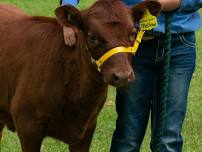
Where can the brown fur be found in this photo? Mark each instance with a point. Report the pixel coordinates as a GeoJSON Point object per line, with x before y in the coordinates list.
{"type": "Point", "coordinates": [49, 89]}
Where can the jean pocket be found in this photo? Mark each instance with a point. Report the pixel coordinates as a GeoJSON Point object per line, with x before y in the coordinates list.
{"type": "Point", "coordinates": [188, 39]}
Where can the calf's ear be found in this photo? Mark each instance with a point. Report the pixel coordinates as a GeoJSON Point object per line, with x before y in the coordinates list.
{"type": "Point", "coordinates": [68, 15]}
{"type": "Point", "coordinates": [138, 10]}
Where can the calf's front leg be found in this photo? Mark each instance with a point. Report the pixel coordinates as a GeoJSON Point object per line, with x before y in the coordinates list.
{"type": "Point", "coordinates": [28, 127]}
{"type": "Point", "coordinates": [30, 135]}
{"type": "Point", "coordinates": [84, 144]}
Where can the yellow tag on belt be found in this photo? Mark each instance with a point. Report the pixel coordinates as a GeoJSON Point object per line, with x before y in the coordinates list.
{"type": "Point", "coordinates": [148, 21]}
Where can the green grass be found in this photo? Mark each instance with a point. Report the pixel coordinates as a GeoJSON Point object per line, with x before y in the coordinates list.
{"type": "Point", "coordinates": [192, 129]}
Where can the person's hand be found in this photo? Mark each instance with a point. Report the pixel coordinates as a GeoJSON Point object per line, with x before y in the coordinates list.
{"type": "Point", "coordinates": [69, 36]}
{"type": "Point", "coordinates": [169, 5]}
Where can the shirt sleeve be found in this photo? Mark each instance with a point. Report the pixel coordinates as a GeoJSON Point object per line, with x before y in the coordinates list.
{"type": "Point", "coordinates": [190, 5]}
{"type": "Point", "coordinates": [70, 2]}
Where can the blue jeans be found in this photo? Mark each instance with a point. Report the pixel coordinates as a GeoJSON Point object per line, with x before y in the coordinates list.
{"type": "Point", "coordinates": [135, 101]}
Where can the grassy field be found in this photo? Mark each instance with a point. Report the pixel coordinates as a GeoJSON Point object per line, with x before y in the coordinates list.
{"type": "Point", "coordinates": [192, 129]}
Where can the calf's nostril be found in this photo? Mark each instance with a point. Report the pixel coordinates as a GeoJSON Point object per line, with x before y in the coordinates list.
{"type": "Point", "coordinates": [120, 77]}
{"type": "Point", "coordinates": [116, 77]}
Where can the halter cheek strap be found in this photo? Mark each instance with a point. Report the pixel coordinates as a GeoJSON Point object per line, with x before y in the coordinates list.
{"type": "Point", "coordinates": [120, 49]}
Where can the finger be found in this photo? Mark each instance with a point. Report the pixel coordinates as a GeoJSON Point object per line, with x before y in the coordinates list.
{"type": "Point", "coordinates": [67, 41]}
{"type": "Point", "coordinates": [73, 40]}
{"type": "Point", "coordinates": [70, 42]}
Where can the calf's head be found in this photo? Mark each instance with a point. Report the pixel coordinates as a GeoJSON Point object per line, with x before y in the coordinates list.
{"type": "Point", "coordinates": [108, 24]}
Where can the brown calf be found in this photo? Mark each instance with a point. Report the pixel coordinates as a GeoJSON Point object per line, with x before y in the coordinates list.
{"type": "Point", "coordinates": [49, 89]}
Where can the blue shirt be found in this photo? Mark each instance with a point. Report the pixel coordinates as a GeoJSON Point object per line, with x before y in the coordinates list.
{"type": "Point", "coordinates": [71, 2]}
{"type": "Point", "coordinates": [185, 19]}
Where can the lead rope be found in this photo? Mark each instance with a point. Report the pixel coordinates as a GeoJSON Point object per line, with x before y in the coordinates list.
{"type": "Point", "coordinates": [164, 77]}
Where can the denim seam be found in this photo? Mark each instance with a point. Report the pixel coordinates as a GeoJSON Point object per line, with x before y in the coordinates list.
{"type": "Point", "coordinates": [160, 57]}
{"type": "Point", "coordinates": [154, 100]}
{"type": "Point", "coordinates": [191, 43]}
{"type": "Point", "coordinates": [153, 112]}
{"type": "Point", "coordinates": [185, 42]}
{"type": "Point", "coordinates": [157, 50]}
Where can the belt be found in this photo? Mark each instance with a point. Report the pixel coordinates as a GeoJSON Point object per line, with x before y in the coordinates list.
{"type": "Point", "coordinates": [150, 35]}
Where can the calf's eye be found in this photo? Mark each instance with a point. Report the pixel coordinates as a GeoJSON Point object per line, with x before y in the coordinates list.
{"type": "Point", "coordinates": [92, 40]}
{"type": "Point", "coordinates": [133, 36]}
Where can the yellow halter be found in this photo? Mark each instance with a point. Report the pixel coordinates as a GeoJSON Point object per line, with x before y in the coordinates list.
{"type": "Point", "coordinates": [120, 49]}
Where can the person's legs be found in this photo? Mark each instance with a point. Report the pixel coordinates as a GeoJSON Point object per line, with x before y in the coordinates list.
{"type": "Point", "coordinates": [133, 103]}
{"type": "Point", "coordinates": [133, 106]}
{"type": "Point", "coordinates": [181, 69]}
